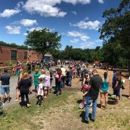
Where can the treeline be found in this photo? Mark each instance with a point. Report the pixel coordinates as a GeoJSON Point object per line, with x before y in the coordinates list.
{"type": "Point", "coordinates": [13, 45]}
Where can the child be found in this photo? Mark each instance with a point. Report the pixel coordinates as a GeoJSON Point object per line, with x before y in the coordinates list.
{"type": "Point", "coordinates": [40, 93]}
{"type": "Point", "coordinates": [36, 75]}
{"type": "Point", "coordinates": [46, 84]}
{"type": "Point", "coordinates": [85, 89]}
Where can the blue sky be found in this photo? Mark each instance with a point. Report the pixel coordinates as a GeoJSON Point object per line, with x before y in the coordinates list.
{"type": "Point", "coordinates": [76, 20]}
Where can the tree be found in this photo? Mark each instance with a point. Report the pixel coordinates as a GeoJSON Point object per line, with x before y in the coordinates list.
{"type": "Point", "coordinates": [115, 30]}
{"type": "Point", "coordinates": [68, 50]}
{"type": "Point", "coordinates": [43, 41]}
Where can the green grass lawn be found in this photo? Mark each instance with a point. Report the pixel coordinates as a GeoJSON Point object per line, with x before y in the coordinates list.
{"type": "Point", "coordinates": [62, 112]}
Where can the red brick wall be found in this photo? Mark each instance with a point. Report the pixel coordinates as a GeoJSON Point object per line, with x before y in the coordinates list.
{"type": "Point", "coordinates": [34, 56]}
{"type": "Point", "coordinates": [5, 55]}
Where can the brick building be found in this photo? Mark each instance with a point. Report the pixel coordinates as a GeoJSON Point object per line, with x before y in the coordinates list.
{"type": "Point", "coordinates": [14, 54]}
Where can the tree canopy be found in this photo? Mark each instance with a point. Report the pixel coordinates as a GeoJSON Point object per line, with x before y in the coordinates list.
{"type": "Point", "coordinates": [43, 41]}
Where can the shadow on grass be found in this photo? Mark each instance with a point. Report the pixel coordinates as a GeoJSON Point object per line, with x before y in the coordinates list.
{"type": "Point", "coordinates": [82, 115]}
{"type": "Point", "coordinates": [124, 95]}
{"type": "Point", "coordinates": [79, 101]}
{"type": "Point", "coordinates": [111, 102]}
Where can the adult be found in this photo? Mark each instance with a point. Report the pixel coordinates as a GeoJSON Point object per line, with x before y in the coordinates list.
{"type": "Point", "coordinates": [28, 66]}
{"type": "Point", "coordinates": [70, 77]}
{"type": "Point", "coordinates": [58, 77]}
{"type": "Point", "coordinates": [5, 82]}
{"type": "Point", "coordinates": [92, 95]}
{"type": "Point", "coordinates": [83, 72]}
{"type": "Point", "coordinates": [24, 86]}
{"type": "Point", "coordinates": [36, 82]}
{"type": "Point", "coordinates": [113, 80]}
{"type": "Point", "coordinates": [63, 75]}
{"type": "Point", "coordinates": [104, 90]}
{"type": "Point", "coordinates": [18, 67]}
{"type": "Point", "coordinates": [17, 89]}
{"type": "Point", "coordinates": [117, 87]}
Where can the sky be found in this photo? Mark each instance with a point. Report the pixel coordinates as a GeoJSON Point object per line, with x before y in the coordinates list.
{"type": "Point", "coordinates": [77, 21]}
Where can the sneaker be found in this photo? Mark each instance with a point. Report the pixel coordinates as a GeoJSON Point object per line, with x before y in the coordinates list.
{"type": "Point", "coordinates": [84, 121]}
{"type": "Point", "coordinates": [37, 105]}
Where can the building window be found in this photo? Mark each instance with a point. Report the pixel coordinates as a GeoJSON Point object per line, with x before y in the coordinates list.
{"type": "Point", "coordinates": [25, 55]}
{"type": "Point", "coordinates": [13, 55]}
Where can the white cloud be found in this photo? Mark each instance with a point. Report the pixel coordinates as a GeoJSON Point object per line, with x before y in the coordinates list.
{"type": "Point", "coordinates": [48, 7]}
{"type": "Point", "coordinates": [75, 40]}
{"type": "Point", "coordinates": [99, 40]}
{"type": "Point", "coordinates": [13, 30]}
{"type": "Point", "coordinates": [44, 8]}
{"type": "Point", "coordinates": [86, 18]}
{"type": "Point", "coordinates": [19, 4]}
{"type": "Point", "coordinates": [25, 34]}
{"type": "Point", "coordinates": [74, 2]}
{"type": "Point", "coordinates": [87, 25]}
{"type": "Point", "coordinates": [74, 12]}
{"type": "Point", "coordinates": [82, 36]}
{"type": "Point", "coordinates": [101, 1]}
{"type": "Point", "coordinates": [37, 28]}
{"type": "Point", "coordinates": [87, 45]}
{"type": "Point", "coordinates": [9, 12]}
{"type": "Point", "coordinates": [28, 22]}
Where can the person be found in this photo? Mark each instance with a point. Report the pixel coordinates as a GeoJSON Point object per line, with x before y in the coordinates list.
{"type": "Point", "coordinates": [92, 95]}
{"type": "Point", "coordinates": [113, 80]}
{"type": "Point", "coordinates": [83, 72]}
{"type": "Point", "coordinates": [46, 84]}
{"type": "Point", "coordinates": [85, 87]}
{"type": "Point", "coordinates": [31, 79]}
{"type": "Point", "coordinates": [104, 90]}
{"type": "Point", "coordinates": [67, 76]}
{"type": "Point", "coordinates": [117, 87]}
{"type": "Point", "coordinates": [40, 93]}
{"type": "Point", "coordinates": [18, 67]}
{"type": "Point", "coordinates": [51, 79]}
{"type": "Point", "coordinates": [24, 86]}
{"type": "Point", "coordinates": [36, 75]}
{"type": "Point", "coordinates": [63, 75]}
{"type": "Point", "coordinates": [42, 75]}
{"type": "Point", "coordinates": [5, 88]}
{"type": "Point", "coordinates": [33, 65]}
{"type": "Point", "coordinates": [28, 66]}
{"type": "Point", "coordinates": [17, 89]}
{"type": "Point", "coordinates": [70, 77]}
{"type": "Point", "coordinates": [58, 78]}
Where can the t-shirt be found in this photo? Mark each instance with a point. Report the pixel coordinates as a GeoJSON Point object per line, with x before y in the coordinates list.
{"type": "Point", "coordinates": [5, 78]}
{"type": "Point", "coordinates": [95, 82]}
{"type": "Point", "coordinates": [40, 88]}
{"type": "Point", "coordinates": [24, 85]}
{"type": "Point", "coordinates": [63, 71]}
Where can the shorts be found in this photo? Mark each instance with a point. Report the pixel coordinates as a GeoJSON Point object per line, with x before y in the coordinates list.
{"type": "Point", "coordinates": [5, 89]}
{"type": "Point", "coordinates": [45, 88]}
{"type": "Point", "coordinates": [104, 91]}
{"type": "Point", "coordinates": [39, 97]}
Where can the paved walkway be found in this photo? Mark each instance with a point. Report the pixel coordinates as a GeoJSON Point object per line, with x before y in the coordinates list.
{"type": "Point", "coordinates": [13, 82]}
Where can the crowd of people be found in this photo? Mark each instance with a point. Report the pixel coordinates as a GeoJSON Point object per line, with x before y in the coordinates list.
{"type": "Point", "coordinates": [91, 84]}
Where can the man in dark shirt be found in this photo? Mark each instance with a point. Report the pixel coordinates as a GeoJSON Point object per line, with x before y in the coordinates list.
{"type": "Point", "coordinates": [92, 95]}
{"type": "Point", "coordinates": [5, 81]}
